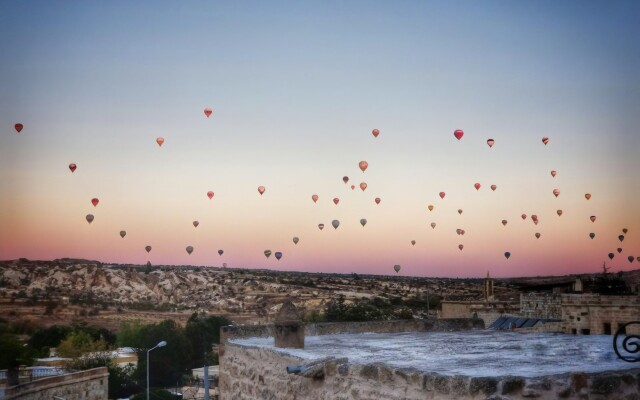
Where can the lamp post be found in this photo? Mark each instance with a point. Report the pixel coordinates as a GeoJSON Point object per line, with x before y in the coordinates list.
{"type": "Point", "coordinates": [161, 344]}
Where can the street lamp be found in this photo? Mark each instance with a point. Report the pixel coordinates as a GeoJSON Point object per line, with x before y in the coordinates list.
{"type": "Point", "coordinates": [161, 344]}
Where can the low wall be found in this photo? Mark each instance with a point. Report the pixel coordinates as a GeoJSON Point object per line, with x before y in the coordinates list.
{"type": "Point", "coordinates": [248, 373]}
{"type": "Point", "coordinates": [91, 384]}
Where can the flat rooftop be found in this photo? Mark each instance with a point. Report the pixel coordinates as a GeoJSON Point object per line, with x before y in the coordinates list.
{"type": "Point", "coordinates": [471, 353]}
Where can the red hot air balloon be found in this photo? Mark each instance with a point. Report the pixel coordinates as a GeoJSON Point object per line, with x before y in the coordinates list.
{"type": "Point", "coordinates": [363, 186]}
{"type": "Point", "coordinates": [160, 141]}
{"type": "Point", "coordinates": [72, 167]}
{"type": "Point", "coordinates": [207, 112]}
{"type": "Point", "coordinates": [545, 140]}
{"type": "Point", "coordinates": [477, 186]}
{"type": "Point", "coordinates": [314, 198]}
{"type": "Point", "coordinates": [494, 187]}
{"type": "Point", "coordinates": [147, 248]}
{"type": "Point", "coordinates": [261, 189]}
{"type": "Point", "coordinates": [363, 165]}
{"type": "Point", "coordinates": [534, 218]}
{"type": "Point", "coordinates": [375, 132]}
{"type": "Point", "coordinates": [95, 201]}
{"type": "Point", "coordinates": [490, 142]}
{"type": "Point", "coordinates": [587, 196]}
{"type": "Point", "coordinates": [377, 200]}
{"type": "Point", "coordinates": [459, 231]}
{"type": "Point", "coordinates": [524, 216]}
{"type": "Point", "coordinates": [345, 179]}
{"type": "Point", "coordinates": [210, 195]}
{"type": "Point", "coordinates": [336, 200]}
{"type": "Point", "coordinates": [18, 127]}
{"type": "Point", "coordinates": [458, 133]}
{"type": "Point", "coordinates": [442, 194]}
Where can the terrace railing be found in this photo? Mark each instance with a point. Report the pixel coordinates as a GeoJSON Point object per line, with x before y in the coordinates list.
{"type": "Point", "coordinates": [629, 349]}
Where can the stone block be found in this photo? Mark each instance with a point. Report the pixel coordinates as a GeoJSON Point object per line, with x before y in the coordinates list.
{"type": "Point", "coordinates": [606, 384]}
{"type": "Point", "coordinates": [485, 386]}
{"type": "Point", "coordinates": [512, 385]}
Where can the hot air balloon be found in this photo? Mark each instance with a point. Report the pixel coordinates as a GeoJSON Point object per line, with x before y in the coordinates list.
{"type": "Point", "coordinates": [462, 232]}
{"type": "Point", "coordinates": [638, 259]}
{"type": "Point", "coordinates": [207, 112]}
{"type": "Point", "coordinates": [363, 186]}
{"type": "Point", "coordinates": [625, 230]}
{"type": "Point", "coordinates": [72, 167]}
{"type": "Point", "coordinates": [630, 258]}
{"type": "Point", "coordinates": [534, 218]}
{"type": "Point", "coordinates": [210, 195]}
{"type": "Point", "coordinates": [363, 165]}
{"type": "Point", "coordinates": [160, 140]}
{"type": "Point", "coordinates": [95, 201]}
{"type": "Point", "coordinates": [278, 255]}
{"type": "Point", "coordinates": [314, 198]}
{"type": "Point", "coordinates": [363, 222]}
{"type": "Point", "coordinates": [507, 255]}
{"type": "Point", "coordinates": [430, 207]}
{"type": "Point", "coordinates": [587, 196]}
{"type": "Point", "coordinates": [345, 179]}
{"type": "Point", "coordinates": [335, 223]}
{"type": "Point", "coordinates": [396, 268]}
{"type": "Point", "coordinates": [494, 187]}
{"type": "Point", "coordinates": [537, 235]}
{"type": "Point", "coordinates": [504, 222]}
{"type": "Point", "coordinates": [196, 223]}
{"type": "Point", "coordinates": [123, 234]}
{"type": "Point", "coordinates": [559, 212]}
{"type": "Point", "coordinates": [460, 246]}
{"type": "Point", "coordinates": [377, 200]}
{"type": "Point", "coordinates": [220, 252]}
{"type": "Point", "coordinates": [524, 216]}
{"type": "Point", "coordinates": [89, 218]}
{"type": "Point", "coordinates": [611, 255]}
{"type": "Point", "coordinates": [619, 250]}
{"type": "Point", "coordinates": [267, 253]}
{"type": "Point", "coordinates": [556, 192]}
{"type": "Point", "coordinates": [18, 127]}
{"type": "Point", "coordinates": [375, 132]}
{"type": "Point", "coordinates": [458, 231]}
{"type": "Point", "coordinates": [490, 142]}
{"type": "Point", "coordinates": [592, 235]}
{"type": "Point", "coordinates": [477, 186]}
{"type": "Point", "coordinates": [553, 173]}
{"type": "Point", "coordinates": [413, 242]}
{"type": "Point", "coordinates": [460, 211]}
{"type": "Point", "coordinates": [545, 140]}
{"type": "Point", "coordinates": [295, 240]}
{"type": "Point", "coordinates": [433, 225]}
{"type": "Point", "coordinates": [621, 238]}
{"type": "Point", "coordinates": [147, 248]}
{"type": "Point", "coordinates": [321, 226]}
{"type": "Point", "coordinates": [189, 249]}
{"type": "Point", "coordinates": [353, 187]}
{"type": "Point", "coordinates": [592, 218]}
{"type": "Point", "coordinates": [442, 194]}
{"type": "Point", "coordinates": [336, 200]}
{"type": "Point", "coordinates": [261, 190]}
{"type": "Point", "coordinates": [458, 133]}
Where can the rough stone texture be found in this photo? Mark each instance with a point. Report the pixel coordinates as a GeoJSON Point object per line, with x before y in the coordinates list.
{"type": "Point", "coordinates": [483, 385]}
{"type": "Point", "coordinates": [84, 385]}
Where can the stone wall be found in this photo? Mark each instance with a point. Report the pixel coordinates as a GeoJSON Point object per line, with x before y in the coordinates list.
{"type": "Point", "coordinates": [248, 373]}
{"type": "Point", "coordinates": [487, 311]}
{"type": "Point", "coordinates": [596, 314]}
{"type": "Point", "coordinates": [541, 305]}
{"type": "Point", "coordinates": [91, 384]}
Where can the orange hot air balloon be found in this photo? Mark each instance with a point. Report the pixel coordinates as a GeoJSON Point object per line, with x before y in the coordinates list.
{"type": "Point", "coordinates": [353, 187]}
{"type": "Point", "coordinates": [314, 198]}
{"type": "Point", "coordinates": [458, 133]}
{"type": "Point", "coordinates": [477, 186]}
{"type": "Point", "coordinates": [587, 196]}
{"type": "Point", "coordinates": [430, 207]}
{"type": "Point", "coordinates": [375, 132]}
{"type": "Point", "coordinates": [545, 140]}
{"type": "Point", "coordinates": [442, 194]}
{"type": "Point", "coordinates": [95, 201]}
{"type": "Point", "coordinates": [147, 248]}
{"type": "Point", "coordinates": [537, 235]}
{"type": "Point", "coordinates": [625, 230]}
{"type": "Point", "coordinates": [160, 140]}
{"type": "Point", "coordinates": [89, 218]}
{"type": "Point", "coordinates": [524, 216]}
{"type": "Point", "coordinates": [494, 187]}
{"type": "Point", "coordinates": [321, 226]}
{"type": "Point", "coordinates": [490, 142]}
{"type": "Point", "coordinates": [460, 211]}
{"type": "Point", "coordinates": [559, 213]}
{"type": "Point", "coordinates": [207, 112]}
{"type": "Point", "coordinates": [433, 225]}
{"type": "Point", "coordinates": [72, 167]}
{"type": "Point", "coordinates": [460, 247]}
{"type": "Point", "coordinates": [413, 242]}
{"type": "Point", "coordinates": [336, 200]}
{"type": "Point", "coordinates": [261, 190]}
{"type": "Point", "coordinates": [592, 218]}
{"type": "Point", "coordinates": [196, 223]}
{"type": "Point", "coordinates": [363, 186]}
{"type": "Point", "coordinates": [18, 127]}
{"type": "Point", "coordinates": [210, 195]}
{"type": "Point", "coordinates": [504, 222]}
{"type": "Point", "coordinates": [554, 173]}
{"type": "Point", "coordinates": [363, 165]}
{"type": "Point", "coordinates": [345, 179]}
{"type": "Point", "coordinates": [377, 200]}
{"type": "Point", "coordinates": [556, 192]}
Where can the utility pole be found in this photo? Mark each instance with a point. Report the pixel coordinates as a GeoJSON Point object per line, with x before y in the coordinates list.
{"type": "Point", "coordinates": [206, 377]}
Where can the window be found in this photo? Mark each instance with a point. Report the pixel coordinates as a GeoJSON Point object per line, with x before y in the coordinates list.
{"type": "Point", "coordinates": [573, 331]}
{"type": "Point", "coordinates": [620, 327]}
{"type": "Point", "coordinates": [606, 328]}
{"type": "Point", "coordinates": [586, 331]}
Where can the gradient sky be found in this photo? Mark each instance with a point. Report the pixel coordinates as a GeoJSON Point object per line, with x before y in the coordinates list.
{"type": "Point", "coordinates": [296, 88]}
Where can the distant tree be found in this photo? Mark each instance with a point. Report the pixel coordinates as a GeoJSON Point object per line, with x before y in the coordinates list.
{"type": "Point", "coordinates": [203, 333]}
{"type": "Point", "coordinates": [44, 339]}
{"type": "Point", "coordinates": [13, 353]}
{"type": "Point", "coordinates": [80, 343]}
